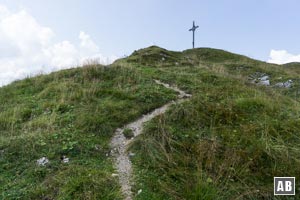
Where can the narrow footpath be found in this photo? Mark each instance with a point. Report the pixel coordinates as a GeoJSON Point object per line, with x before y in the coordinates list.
{"type": "Point", "coordinates": [119, 143]}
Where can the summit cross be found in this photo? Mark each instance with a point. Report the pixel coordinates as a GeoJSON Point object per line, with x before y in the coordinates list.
{"type": "Point", "coordinates": [194, 29]}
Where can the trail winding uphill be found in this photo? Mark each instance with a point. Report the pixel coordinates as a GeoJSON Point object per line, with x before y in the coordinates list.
{"type": "Point", "coordinates": [119, 142]}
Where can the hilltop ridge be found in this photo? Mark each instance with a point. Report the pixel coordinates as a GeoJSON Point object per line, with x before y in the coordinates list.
{"type": "Point", "coordinates": [186, 57]}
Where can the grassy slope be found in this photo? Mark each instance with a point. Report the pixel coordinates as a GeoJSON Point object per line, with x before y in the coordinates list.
{"type": "Point", "coordinates": [72, 113]}
{"type": "Point", "coordinates": [229, 140]}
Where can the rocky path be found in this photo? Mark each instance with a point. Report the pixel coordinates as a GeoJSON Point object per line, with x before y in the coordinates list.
{"type": "Point", "coordinates": [119, 142]}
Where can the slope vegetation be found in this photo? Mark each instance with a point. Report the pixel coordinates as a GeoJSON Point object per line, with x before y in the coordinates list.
{"type": "Point", "coordinates": [71, 113]}
{"type": "Point", "coordinates": [227, 141]}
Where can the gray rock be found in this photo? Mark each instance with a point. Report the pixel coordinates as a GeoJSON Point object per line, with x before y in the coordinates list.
{"type": "Point", "coordinates": [266, 83]}
{"type": "Point", "coordinates": [279, 85]}
{"type": "Point", "coordinates": [65, 159]}
{"type": "Point", "coordinates": [42, 161]}
{"type": "Point", "coordinates": [260, 78]}
{"type": "Point", "coordinates": [264, 78]}
{"type": "Point", "coordinates": [286, 84]}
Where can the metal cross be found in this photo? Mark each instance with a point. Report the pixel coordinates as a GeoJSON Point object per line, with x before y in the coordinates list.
{"type": "Point", "coordinates": [193, 29]}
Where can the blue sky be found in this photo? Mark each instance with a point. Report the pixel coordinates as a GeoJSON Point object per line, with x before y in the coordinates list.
{"type": "Point", "coordinates": [69, 31]}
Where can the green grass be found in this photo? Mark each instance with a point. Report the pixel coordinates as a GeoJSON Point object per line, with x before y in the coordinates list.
{"type": "Point", "coordinates": [72, 113]}
{"type": "Point", "coordinates": [128, 133]}
{"type": "Point", "coordinates": [226, 142]}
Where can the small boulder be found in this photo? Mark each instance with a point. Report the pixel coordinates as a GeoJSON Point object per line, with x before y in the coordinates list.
{"type": "Point", "coordinates": [266, 83]}
{"type": "Point", "coordinates": [264, 78]}
{"type": "Point", "coordinates": [64, 159]}
{"type": "Point", "coordinates": [286, 84]}
{"type": "Point", "coordinates": [42, 161]}
{"type": "Point", "coordinates": [279, 85]}
{"type": "Point", "coordinates": [260, 79]}
{"type": "Point", "coordinates": [139, 191]}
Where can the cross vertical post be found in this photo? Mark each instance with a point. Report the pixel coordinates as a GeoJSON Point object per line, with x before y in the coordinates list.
{"type": "Point", "coordinates": [194, 29]}
{"type": "Point", "coordinates": [193, 39]}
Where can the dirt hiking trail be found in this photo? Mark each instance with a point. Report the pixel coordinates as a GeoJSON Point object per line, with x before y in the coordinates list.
{"type": "Point", "coordinates": [119, 142]}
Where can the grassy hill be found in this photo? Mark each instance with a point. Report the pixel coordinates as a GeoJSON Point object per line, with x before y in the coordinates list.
{"type": "Point", "coordinates": [69, 113]}
{"type": "Point", "coordinates": [227, 142]}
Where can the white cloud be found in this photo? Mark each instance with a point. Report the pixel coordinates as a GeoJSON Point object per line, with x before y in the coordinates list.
{"type": "Point", "coordinates": [27, 48]}
{"type": "Point", "coordinates": [62, 54]}
{"type": "Point", "coordinates": [87, 45]}
{"type": "Point", "coordinates": [282, 57]}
